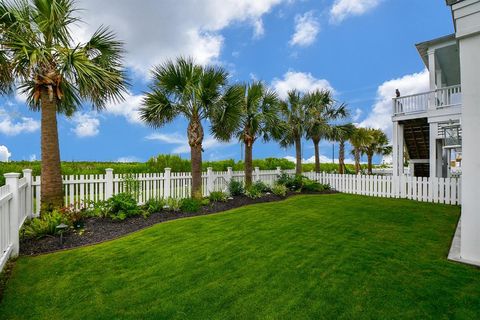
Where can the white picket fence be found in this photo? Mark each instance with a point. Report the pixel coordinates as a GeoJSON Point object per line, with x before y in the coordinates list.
{"type": "Point", "coordinates": [20, 197]}
{"type": "Point", "coordinates": [15, 207]}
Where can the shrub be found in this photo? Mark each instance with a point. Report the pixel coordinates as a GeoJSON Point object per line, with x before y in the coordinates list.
{"type": "Point", "coordinates": [235, 188]}
{"type": "Point", "coordinates": [205, 201]}
{"type": "Point", "coordinates": [293, 183]}
{"type": "Point", "coordinates": [121, 206]}
{"type": "Point", "coordinates": [260, 185]}
{"type": "Point", "coordinates": [253, 193]}
{"type": "Point", "coordinates": [45, 225]}
{"type": "Point", "coordinates": [190, 205]}
{"type": "Point", "coordinates": [173, 204]}
{"type": "Point", "coordinates": [279, 190]}
{"type": "Point", "coordinates": [153, 205]}
{"type": "Point", "coordinates": [73, 215]}
{"type": "Point", "coordinates": [218, 196]}
{"type": "Point", "coordinates": [313, 186]}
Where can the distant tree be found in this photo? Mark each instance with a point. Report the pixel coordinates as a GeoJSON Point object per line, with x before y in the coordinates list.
{"type": "Point", "coordinates": [341, 134]}
{"type": "Point", "coordinates": [359, 139]}
{"type": "Point", "coordinates": [293, 115]}
{"type": "Point", "coordinates": [378, 144]}
{"type": "Point", "coordinates": [197, 93]}
{"type": "Point", "coordinates": [321, 112]}
{"type": "Point", "coordinates": [258, 119]}
{"type": "Point", "coordinates": [39, 57]}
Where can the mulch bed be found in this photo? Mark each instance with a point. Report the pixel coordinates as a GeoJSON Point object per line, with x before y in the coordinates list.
{"type": "Point", "coordinates": [98, 230]}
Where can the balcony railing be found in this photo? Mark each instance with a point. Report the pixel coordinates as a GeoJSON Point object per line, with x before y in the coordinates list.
{"type": "Point", "coordinates": [421, 102]}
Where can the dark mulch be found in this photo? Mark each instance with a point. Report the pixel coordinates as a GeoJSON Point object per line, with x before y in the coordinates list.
{"type": "Point", "coordinates": [97, 230]}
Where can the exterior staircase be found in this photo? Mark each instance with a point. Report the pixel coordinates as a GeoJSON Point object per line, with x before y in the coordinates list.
{"type": "Point", "coordinates": [417, 134]}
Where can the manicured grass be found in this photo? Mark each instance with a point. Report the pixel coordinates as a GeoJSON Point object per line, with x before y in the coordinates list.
{"type": "Point", "coordinates": [328, 256]}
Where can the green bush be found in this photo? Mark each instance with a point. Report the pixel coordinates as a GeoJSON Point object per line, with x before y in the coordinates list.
{"type": "Point", "coordinates": [205, 201]}
{"type": "Point", "coordinates": [121, 206]}
{"type": "Point", "coordinates": [235, 188]}
{"type": "Point", "coordinates": [260, 185]}
{"type": "Point", "coordinates": [190, 205]}
{"type": "Point", "coordinates": [253, 193]}
{"type": "Point", "coordinates": [153, 205]}
{"type": "Point", "coordinates": [45, 225]}
{"type": "Point", "coordinates": [218, 196]}
{"type": "Point", "coordinates": [279, 190]}
{"type": "Point", "coordinates": [293, 183]}
{"type": "Point", "coordinates": [313, 186]}
{"type": "Point", "coordinates": [173, 204]}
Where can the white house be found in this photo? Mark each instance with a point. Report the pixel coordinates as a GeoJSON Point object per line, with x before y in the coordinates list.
{"type": "Point", "coordinates": [440, 129]}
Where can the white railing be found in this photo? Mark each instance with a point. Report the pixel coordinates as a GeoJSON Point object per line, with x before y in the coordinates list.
{"type": "Point", "coordinates": [15, 207]}
{"type": "Point", "coordinates": [436, 190]}
{"type": "Point", "coordinates": [421, 102]}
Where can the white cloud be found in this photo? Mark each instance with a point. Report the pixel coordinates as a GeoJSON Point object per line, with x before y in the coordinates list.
{"type": "Point", "coordinates": [33, 157]}
{"type": "Point", "coordinates": [128, 159]}
{"type": "Point", "coordinates": [306, 29]}
{"type": "Point", "coordinates": [323, 159]}
{"type": "Point", "coordinates": [156, 30]}
{"type": "Point", "coordinates": [86, 125]}
{"type": "Point", "coordinates": [4, 154]}
{"type": "Point", "coordinates": [380, 116]}
{"type": "Point", "coordinates": [209, 142]}
{"type": "Point", "coordinates": [11, 126]}
{"type": "Point", "coordinates": [128, 108]}
{"type": "Point", "coordinates": [301, 81]}
{"type": "Point", "coordinates": [342, 9]}
{"type": "Point", "coordinates": [358, 113]}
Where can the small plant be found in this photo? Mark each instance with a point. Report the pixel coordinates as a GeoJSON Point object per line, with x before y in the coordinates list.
{"type": "Point", "coordinates": [131, 186]}
{"type": "Point", "coordinates": [313, 186]}
{"type": "Point", "coordinates": [153, 205]}
{"type": "Point", "coordinates": [45, 225]}
{"type": "Point", "coordinates": [218, 196]}
{"type": "Point", "coordinates": [235, 188]}
{"type": "Point", "coordinates": [190, 205]}
{"type": "Point", "coordinates": [173, 204]}
{"type": "Point", "coordinates": [260, 185]}
{"type": "Point", "coordinates": [205, 201]}
{"type": "Point", "coordinates": [279, 190]}
{"type": "Point", "coordinates": [73, 215]}
{"type": "Point", "coordinates": [294, 183]}
{"type": "Point", "coordinates": [253, 192]}
{"type": "Point", "coordinates": [121, 206]}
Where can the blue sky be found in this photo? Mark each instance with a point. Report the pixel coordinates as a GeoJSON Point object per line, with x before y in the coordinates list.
{"type": "Point", "coordinates": [362, 49]}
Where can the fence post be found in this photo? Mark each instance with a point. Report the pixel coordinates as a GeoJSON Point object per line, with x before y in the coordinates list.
{"type": "Point", "coordinates": [166, 183]}
{"type": "Point", "coordinates": [27, 174]}
{"type": "Point", "coordinates": [229, 174]}
{"type": "Point", "coordinates": [257, 173]}
{"type": "Point", "coordinates": [108, 183]}
{"type": "Point", "coordinates": [209, 180]}
{"type": "Point", "coordinates": [11, 180]}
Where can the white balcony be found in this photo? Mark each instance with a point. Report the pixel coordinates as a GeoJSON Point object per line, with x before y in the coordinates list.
{"type": "Point", "coordinates": [431, 100]}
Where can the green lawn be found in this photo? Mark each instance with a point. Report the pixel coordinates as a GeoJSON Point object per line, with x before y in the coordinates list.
{"type": "Point", "coordinates": [329, 256]}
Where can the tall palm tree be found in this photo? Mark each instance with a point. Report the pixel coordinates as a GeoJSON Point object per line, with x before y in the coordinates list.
{"type": "Point", "coordinates": [197, 93]}
{"type": "Point", "coordinates": [39, 57]}
{"type": "Point", "coordinates": [259, 118]}
{"type": "Point", "coordinates": [359, 139]}
{"type": "Point", "coordinates": [341, 134]}
{"type": "Point", "coordinates": [293, 114]}
{"type": "Point", "coordinates": [377, 145]}
{"type": "Point", "coordinates": [321, 111]}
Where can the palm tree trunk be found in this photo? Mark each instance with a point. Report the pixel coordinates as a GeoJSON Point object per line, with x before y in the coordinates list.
{"type": "Point", "coordinates": [298, 154]}
{"type": "Point", "coordinates": [51, 182]}
{"type": "Point", "coordinates": [341, 157]}
{"type": "Point", "coordinates": [369, 166]}
{"type": "Point", "coordinates": [195, 139]}
{"type": "Point", "coordinates": [357, 161]}
{"type": "Point", "coordinates": [248, 162]}
{"type": "Point", "coordinates": [316, 144]}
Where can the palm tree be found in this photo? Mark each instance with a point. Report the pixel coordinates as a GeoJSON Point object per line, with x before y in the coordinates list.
{"type": "Point", "coordinates": [359, 139]}
{"type": "Point", "coordinates": [321, 111]}
{"type": "Point", "coordinates": [377, 145]}
{"type": "Point", "coordinates": [39, 58]}
{"type": "Point", "coordinates": [341, 134]}
{"type": "Point", "coordinates": [197, 93]}
{"type": "Point", "coordinates": [293, 114]}
{"type": "Point", "coordinates": [259, 118]}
